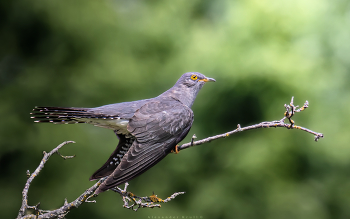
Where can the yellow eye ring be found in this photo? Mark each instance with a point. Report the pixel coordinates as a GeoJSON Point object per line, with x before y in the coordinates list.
{"type": "Point", "coordinates": [194, 77]}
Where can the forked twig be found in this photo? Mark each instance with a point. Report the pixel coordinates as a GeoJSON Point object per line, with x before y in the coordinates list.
{"type": "Point", "coordinates": [134, 202]}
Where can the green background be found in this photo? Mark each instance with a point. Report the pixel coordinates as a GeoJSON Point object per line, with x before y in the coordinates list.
{"type": "Point", "coordinates": [91, 53]}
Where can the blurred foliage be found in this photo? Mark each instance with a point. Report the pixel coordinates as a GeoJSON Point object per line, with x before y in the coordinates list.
{"type": "Point", "coordinates": [91, 53]}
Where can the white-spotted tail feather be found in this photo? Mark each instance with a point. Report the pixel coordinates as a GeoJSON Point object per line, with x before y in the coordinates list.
{"type": "Point", "coordinates": [61, 115]}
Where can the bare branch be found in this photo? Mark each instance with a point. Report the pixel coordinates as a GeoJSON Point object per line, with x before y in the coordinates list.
{"type": "Point", "coordinates": [58, 213]}
{"type": "Point", "coordinates": [289, 113]}
{"type": "Point", "coordinates": [25, 206]}
{"type": "Point", "coordinates": [130, 200]}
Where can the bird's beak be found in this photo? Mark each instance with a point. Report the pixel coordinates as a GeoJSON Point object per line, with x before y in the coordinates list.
{"type": "Point", "coordinates": [208, 79]}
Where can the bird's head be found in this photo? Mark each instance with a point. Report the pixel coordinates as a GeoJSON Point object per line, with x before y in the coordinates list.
{"type": "Point", "coordinates": [187, 87]}
{"type": "Point", "coordinates": [193, 79]}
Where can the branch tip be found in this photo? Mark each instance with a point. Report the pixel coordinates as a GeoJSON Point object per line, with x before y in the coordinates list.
{"type": "Point", "coordinates": [318, 136]}
{"type": "Point", "coordinates": [65, 157]}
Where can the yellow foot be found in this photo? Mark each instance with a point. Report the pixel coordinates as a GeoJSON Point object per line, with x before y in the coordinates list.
{"type": "Point", "coordinates": [175, 151]}
{"type": "Point", "coordinates": [154, 198]}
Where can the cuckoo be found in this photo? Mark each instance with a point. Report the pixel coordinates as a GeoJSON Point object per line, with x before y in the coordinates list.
{"type": "Point", "coordinates": [148, 130]}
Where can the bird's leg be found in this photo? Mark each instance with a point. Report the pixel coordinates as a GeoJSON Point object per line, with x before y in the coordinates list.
{"type": "Point", "coordinates": [175, 150]}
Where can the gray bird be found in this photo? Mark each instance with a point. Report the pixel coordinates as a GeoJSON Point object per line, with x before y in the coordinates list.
{"type": "Point", "coordinates": [148, 129]}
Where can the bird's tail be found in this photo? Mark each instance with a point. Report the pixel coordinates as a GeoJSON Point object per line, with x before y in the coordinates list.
{"type": "Point", "coordinates": [60, 115]}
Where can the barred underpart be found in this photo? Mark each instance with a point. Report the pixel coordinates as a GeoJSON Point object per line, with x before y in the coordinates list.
{"type": "Point", "coordinates": [122, 151]}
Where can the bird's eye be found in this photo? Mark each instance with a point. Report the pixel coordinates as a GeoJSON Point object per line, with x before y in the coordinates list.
{"type": "Point", "coordinates": [194, 77]}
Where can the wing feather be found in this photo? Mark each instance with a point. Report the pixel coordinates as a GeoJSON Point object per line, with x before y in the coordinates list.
{"type": "Point", "coordinates": [157, 127]}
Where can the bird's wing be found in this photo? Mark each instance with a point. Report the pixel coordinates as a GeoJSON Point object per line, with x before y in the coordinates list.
{"type": "Point", "coordinates": [157, 127]}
